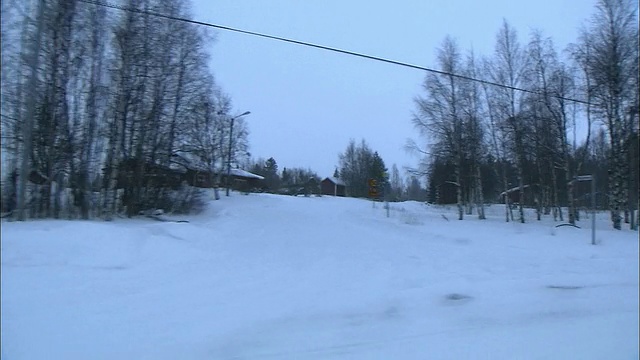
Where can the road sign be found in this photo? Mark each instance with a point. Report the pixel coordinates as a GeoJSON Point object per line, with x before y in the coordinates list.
{"type": "Point", "coordinates": [373, 188]}
{"type": "Point", "coordinates": [593, 203]}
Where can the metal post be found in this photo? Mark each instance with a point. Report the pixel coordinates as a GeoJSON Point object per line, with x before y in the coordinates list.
{"type": "Point", "coordinates": [229, 156]}
{"type": "Point", "coordinates": [591, 178]}
{"type": "Point", "coordinates": [387, 192]}
{"type": "Point", "coordinates": [230, 149]}
{"type": "Point", "coordinates": [593, 210]}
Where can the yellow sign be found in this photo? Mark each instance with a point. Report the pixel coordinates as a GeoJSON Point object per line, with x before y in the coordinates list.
{"type": "Point", "coordinates": [373, 188]}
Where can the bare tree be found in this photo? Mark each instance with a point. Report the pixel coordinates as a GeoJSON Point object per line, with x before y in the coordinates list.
{"type": "Point", "coordinates": [499, 136]}
{"type": "Point", "coordinates": [396, 183]}
{"type": "Point", "coordinates": [14, 47]}
{"type": "Point", "coordinates": [473, 133]}
{"type": "Point", "coordinates": [554, 82]}
{"type": "Point", "coordinates": [439, 113]}
{"type": "Point", "coordinates": [27, 124]}
{"type": "Point", "coordinates": [613, 41]}
{"type": "Point", "coordinates": [94, 107]}
{"type": "Point", "coordinates": [127, 87]}
{"type": "Point", "coordinates": [509, 68]}
{"type": "Point", "coordinates": [123, 87]}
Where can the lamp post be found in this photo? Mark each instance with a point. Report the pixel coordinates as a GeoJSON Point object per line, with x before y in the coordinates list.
{"type": "Point", "coordinates": [230, 147]}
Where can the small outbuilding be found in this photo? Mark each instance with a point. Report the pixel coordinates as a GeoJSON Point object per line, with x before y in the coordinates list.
{"type": "Point", "coordinates": [244, 181]}
{"type": "Point", "coordinates": [333, 186]}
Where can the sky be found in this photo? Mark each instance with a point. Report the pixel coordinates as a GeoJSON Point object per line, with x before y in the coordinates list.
{"type": "Point", "coordinates": [306, 104]}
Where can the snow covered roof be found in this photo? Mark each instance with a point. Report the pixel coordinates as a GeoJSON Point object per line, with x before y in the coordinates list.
{"type": "Point", "coordinates": [514, 189]}
{"type": "Point", "coordinates": [245, 174]}
{"type": "Point", "coordinates": [335, 180]}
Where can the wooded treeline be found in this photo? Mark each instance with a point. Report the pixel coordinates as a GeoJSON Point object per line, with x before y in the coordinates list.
{"type": "Point", "coordinates": [483, 140]}
{"type": "Point", "coordinates": [101, 107]}
{"type": "Point", "coordinates": [289, 181]}
{"type": "Point", "coordinates": [359, 163]}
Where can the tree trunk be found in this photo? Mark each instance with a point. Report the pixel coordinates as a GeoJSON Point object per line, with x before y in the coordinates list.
{"type": "Point", "coordinates": [459, 193]}
{"type": "Point", "coordinates": [520, 165]}
{"type": "Point", "coordinates": [116, 144]}
{"type": "Point", "coordinates": [27, 127]}
{"type": "Point", "coordinates": [540, 192]}
{"type": "Point", "coordinates": [479, 195]}
{"type": "Point", "coordinates": [507, 206]}
{"type": "Point", "coordinates": [557, 212]}
{"type": "Point", "coordinates": [572, 208]}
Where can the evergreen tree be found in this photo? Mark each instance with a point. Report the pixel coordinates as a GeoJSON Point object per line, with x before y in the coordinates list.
{"type": "Point", "coordinates": [377, 169]}
{"type": "Point", "coordinates": [271, 177]}
{"type": "Point", "coordinates": [358, 164]}
{"type": "Point", "coordinates": [286, 177]}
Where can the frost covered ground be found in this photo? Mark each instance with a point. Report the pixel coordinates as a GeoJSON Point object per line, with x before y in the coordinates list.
{"type": "Point", "coordinates": [277, 277]}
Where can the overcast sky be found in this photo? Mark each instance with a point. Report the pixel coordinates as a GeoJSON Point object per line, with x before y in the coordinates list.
{"type": "Point", "coordinates": [307, 103]}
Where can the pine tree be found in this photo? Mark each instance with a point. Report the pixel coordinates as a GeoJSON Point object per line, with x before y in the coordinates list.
{"type": "Point", "coordinates": [377, 169]}
{"type": "Point", "coordinates": [358, 164]}
{"type": "Point", "coordinates": [286, 177]}
{"type": "Point", "coordinates": [272, 179]}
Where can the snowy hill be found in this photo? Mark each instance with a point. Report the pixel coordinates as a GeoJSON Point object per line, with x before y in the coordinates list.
{"type": "Point", "coordinates": [280, 277]}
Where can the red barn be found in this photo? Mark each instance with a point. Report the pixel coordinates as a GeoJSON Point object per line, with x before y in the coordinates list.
{"type": "Point", "coordinates": [333, 186]}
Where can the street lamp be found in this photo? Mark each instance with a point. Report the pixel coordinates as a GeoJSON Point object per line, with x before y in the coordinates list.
{"type": "Point", "coordinates": [230, 147]}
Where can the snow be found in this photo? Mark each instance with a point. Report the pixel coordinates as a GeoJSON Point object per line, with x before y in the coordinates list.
{"type": "Point", "coordinates": [335, 180]}
{"type": "Point", "coordinates": [513, 189]}
{"type": "Point", "coordinates": [245, 174]}
{"type": "Point", "coordinates": [280, 277]}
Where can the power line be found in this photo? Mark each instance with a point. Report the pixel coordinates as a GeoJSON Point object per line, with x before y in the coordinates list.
{"type": "Point", "coordinates": [9, 117]}
{"type": "Point", "coordinates": [322, 47]}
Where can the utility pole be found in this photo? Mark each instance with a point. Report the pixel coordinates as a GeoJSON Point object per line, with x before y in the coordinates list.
{"type": "Point", "coordinates": [27, 121]}
{"type": "Point", "coordinates": [229, 156]}
{"type": "Point", "coordinates": [230, 149]}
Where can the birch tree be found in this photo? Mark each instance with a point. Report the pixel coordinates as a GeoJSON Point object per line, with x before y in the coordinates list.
{"type": "Point", "coordinates": [439, 113]}
{"type": "Point", "coordinates": [612, 38]}
{"type": "Point", "coordinates": [510, 65]}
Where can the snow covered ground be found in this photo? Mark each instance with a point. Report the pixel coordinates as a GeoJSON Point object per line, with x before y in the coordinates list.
{"type": "Point", "coordinates": [280, 277]}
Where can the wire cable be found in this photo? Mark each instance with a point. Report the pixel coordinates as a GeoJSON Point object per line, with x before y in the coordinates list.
{"type": "Point", "coordinates": [322, 47]}
{"type": "Point", "coordinates": [8, 117]}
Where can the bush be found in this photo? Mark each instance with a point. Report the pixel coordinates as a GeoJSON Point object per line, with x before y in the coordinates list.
{"type": "Point", "coordinates": [184, 200]}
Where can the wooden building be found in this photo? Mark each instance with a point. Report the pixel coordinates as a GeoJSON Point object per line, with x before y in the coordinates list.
{"type": "Point", "coordinates": [200, 178]}
{"type": "Point", "coordinates": [333, 186]}
{"type": "Point", "coordinates": [243, 180]}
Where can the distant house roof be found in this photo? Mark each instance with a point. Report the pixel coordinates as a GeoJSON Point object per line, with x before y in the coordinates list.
{"type": "Point", "coordinates": [514, 189]}
{"type": "Point", "coordinates": [245, 174]}
{"type": "Point", "coordinates": [335, 181]}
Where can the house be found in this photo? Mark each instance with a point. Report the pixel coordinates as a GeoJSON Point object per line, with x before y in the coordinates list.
{"type": "Point", "coordinates": [240, 179]}
{"type": "Point", "coordinates": [149, 175]}
{"type": "Point", "coordinates": [243, 180]}
{"type": "Point", "coordinates": [333, 186]}
{"type": "Point", "coordinates": [199, 178]}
